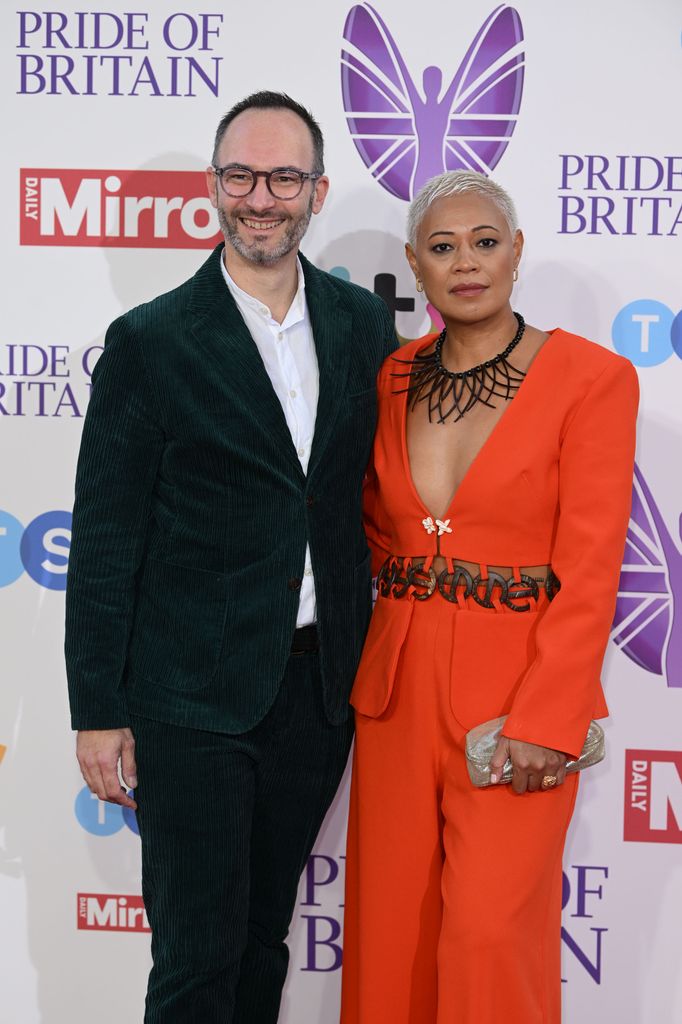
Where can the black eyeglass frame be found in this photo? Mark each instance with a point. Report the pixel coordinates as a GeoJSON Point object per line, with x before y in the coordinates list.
{"type": "Point", "coordinates": [305, 176]}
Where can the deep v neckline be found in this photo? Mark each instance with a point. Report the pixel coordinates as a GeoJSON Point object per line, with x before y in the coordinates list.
{"type": "Point", "coordinates": [486, 444]}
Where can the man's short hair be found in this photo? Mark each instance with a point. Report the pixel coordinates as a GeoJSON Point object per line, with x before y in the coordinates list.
{"type": "Point", "coordinates": [266, 100]}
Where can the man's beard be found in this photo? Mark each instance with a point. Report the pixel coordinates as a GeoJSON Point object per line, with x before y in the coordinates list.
{"type": "Point", "coordinates": [256, 252]}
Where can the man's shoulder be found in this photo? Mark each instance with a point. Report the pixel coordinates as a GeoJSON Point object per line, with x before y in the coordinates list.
{"type": "Point", "coordinates": [171, 305]}
{"type": "Point", "coordinates": [162, 307]}
{"type": "Point", "coordinates": [351, 295]}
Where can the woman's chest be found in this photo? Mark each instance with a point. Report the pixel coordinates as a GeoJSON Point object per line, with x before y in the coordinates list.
{"type": "Point", "coordinates": [441, 453]}
{"type": "Point", "coordinates": [498, 479]}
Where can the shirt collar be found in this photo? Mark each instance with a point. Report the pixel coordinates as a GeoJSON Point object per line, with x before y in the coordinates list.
{"type": "Point", "coordinates": [296, 311]}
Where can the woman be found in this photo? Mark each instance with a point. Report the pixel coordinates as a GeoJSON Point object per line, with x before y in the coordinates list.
{"type": "Point", "coordinates": [496, 509]}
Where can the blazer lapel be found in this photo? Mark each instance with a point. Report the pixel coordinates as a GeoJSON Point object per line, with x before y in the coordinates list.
{"type": "Point", "coordinates": [220, 330]}
{"type": "Point", "coordinates": [332, 326]}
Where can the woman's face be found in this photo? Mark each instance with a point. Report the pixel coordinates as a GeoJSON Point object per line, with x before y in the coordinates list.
{"type": "Point", "coordinates": [465, 256]}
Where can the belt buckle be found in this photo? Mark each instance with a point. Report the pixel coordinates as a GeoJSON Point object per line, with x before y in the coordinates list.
{"type": "Point", "coordinates": [418, 576]}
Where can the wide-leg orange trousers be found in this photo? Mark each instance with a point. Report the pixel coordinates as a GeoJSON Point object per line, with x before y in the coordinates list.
{"type": "Point", "coordinates": [453, 894]}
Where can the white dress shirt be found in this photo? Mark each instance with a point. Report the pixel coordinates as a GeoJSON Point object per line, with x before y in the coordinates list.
{"type": "Point", "coordinates": [289, 356]}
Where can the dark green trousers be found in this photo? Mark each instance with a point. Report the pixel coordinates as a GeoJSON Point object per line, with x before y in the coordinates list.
{"type": "Point", "coordinates": [227, 823]}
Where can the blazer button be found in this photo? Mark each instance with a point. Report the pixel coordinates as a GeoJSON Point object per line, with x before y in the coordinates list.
{"type": "Point", "coordinates": [310, 501]}
{"type": "Point", "coordinates": [294, 583]}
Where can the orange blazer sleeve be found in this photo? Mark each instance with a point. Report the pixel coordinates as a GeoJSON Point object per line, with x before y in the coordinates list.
{"type": "Point", "coordinates": [558, 695]}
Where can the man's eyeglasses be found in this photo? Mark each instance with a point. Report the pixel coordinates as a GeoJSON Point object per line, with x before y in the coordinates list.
{"type": "Point", "coordinates": [238, 181]}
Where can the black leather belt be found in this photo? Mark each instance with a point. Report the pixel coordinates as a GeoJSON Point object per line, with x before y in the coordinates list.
{"type": "Point", "coordinates": [305, 640]}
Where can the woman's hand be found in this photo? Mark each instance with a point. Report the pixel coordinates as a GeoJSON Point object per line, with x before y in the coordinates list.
{"type": "Point", "coordinates": [534, 767]}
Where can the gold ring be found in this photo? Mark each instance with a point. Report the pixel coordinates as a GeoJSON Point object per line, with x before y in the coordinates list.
{"type": "Point", "coordinates": [549, 781]}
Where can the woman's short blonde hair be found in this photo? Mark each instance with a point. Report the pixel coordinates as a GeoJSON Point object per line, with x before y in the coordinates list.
{"type": "Point", "coordinates": [454, 183]}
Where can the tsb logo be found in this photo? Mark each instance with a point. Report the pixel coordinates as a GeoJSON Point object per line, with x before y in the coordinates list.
{"type": "Point", "coordinates": [139, 209]}
{"type": "Point", "coordinates": [100, 818]}
{"type": "Point", "coordinates": [653, 796]}
{"type": "Point", "coordinates": [41, 549]}
{"type": "Point", "coordinates": [647, 332]}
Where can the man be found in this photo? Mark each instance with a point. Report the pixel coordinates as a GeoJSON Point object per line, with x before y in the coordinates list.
{"type": "Point", "coordinates": [219, 585]}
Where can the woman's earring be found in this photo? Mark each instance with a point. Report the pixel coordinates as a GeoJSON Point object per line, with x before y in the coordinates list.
{"type": "Point", "coordinates": [420, 286]}
{"type": "Point", "coordinates": [516, 275]}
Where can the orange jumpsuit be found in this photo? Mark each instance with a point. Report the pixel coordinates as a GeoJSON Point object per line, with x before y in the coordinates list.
{"type": "Point", "coordinates": [454, 893]}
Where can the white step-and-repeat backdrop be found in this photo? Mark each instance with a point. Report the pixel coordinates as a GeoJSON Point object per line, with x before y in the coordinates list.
{"type": "Point", "coordinates": [110, 113]}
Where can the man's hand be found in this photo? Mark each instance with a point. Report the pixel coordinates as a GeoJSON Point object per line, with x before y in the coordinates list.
{"type": "Point", "coordinates": [99, 752]}
{"type": "Point", "coordinates": [531, 765]}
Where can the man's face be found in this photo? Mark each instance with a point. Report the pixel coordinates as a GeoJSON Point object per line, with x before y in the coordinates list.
{"type": "Point", "coordinates": [259, 227]}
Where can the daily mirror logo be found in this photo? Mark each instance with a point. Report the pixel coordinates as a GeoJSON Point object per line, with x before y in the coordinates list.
{"type": "Point", "coordinates": [653, 796]}
{"type": "Point", "coordinates": [406, 134]}
{"type": "Point", "coordinates": [106, 912]}
{"type": "Point", "coordinates": [133, 209]}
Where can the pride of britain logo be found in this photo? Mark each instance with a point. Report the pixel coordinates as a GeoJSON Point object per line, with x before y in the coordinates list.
{"type": "Point", "coordinates": [647, 621]}
{"type": "Point", "coordinates": [406, 135]}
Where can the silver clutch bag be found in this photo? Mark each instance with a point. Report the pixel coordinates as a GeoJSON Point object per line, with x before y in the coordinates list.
{"type": "Point", "coordinates": [482, 740]}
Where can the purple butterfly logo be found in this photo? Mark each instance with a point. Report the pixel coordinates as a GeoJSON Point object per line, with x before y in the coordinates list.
{"type": "Point", "coordinates": [647, 621]}
{"type": "Point", "coordinates": [406, 136]}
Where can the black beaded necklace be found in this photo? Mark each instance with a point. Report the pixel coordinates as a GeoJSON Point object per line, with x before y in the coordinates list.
{"type": "Point", "coordinates": [447, 392]}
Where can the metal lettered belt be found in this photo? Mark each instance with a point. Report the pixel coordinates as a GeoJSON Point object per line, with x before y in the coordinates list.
{"type": "Point", "coordinates": [401, 577]}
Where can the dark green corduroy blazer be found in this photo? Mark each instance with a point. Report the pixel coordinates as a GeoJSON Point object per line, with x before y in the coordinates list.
{"type": "Point", "coordinates": [192, 511]}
